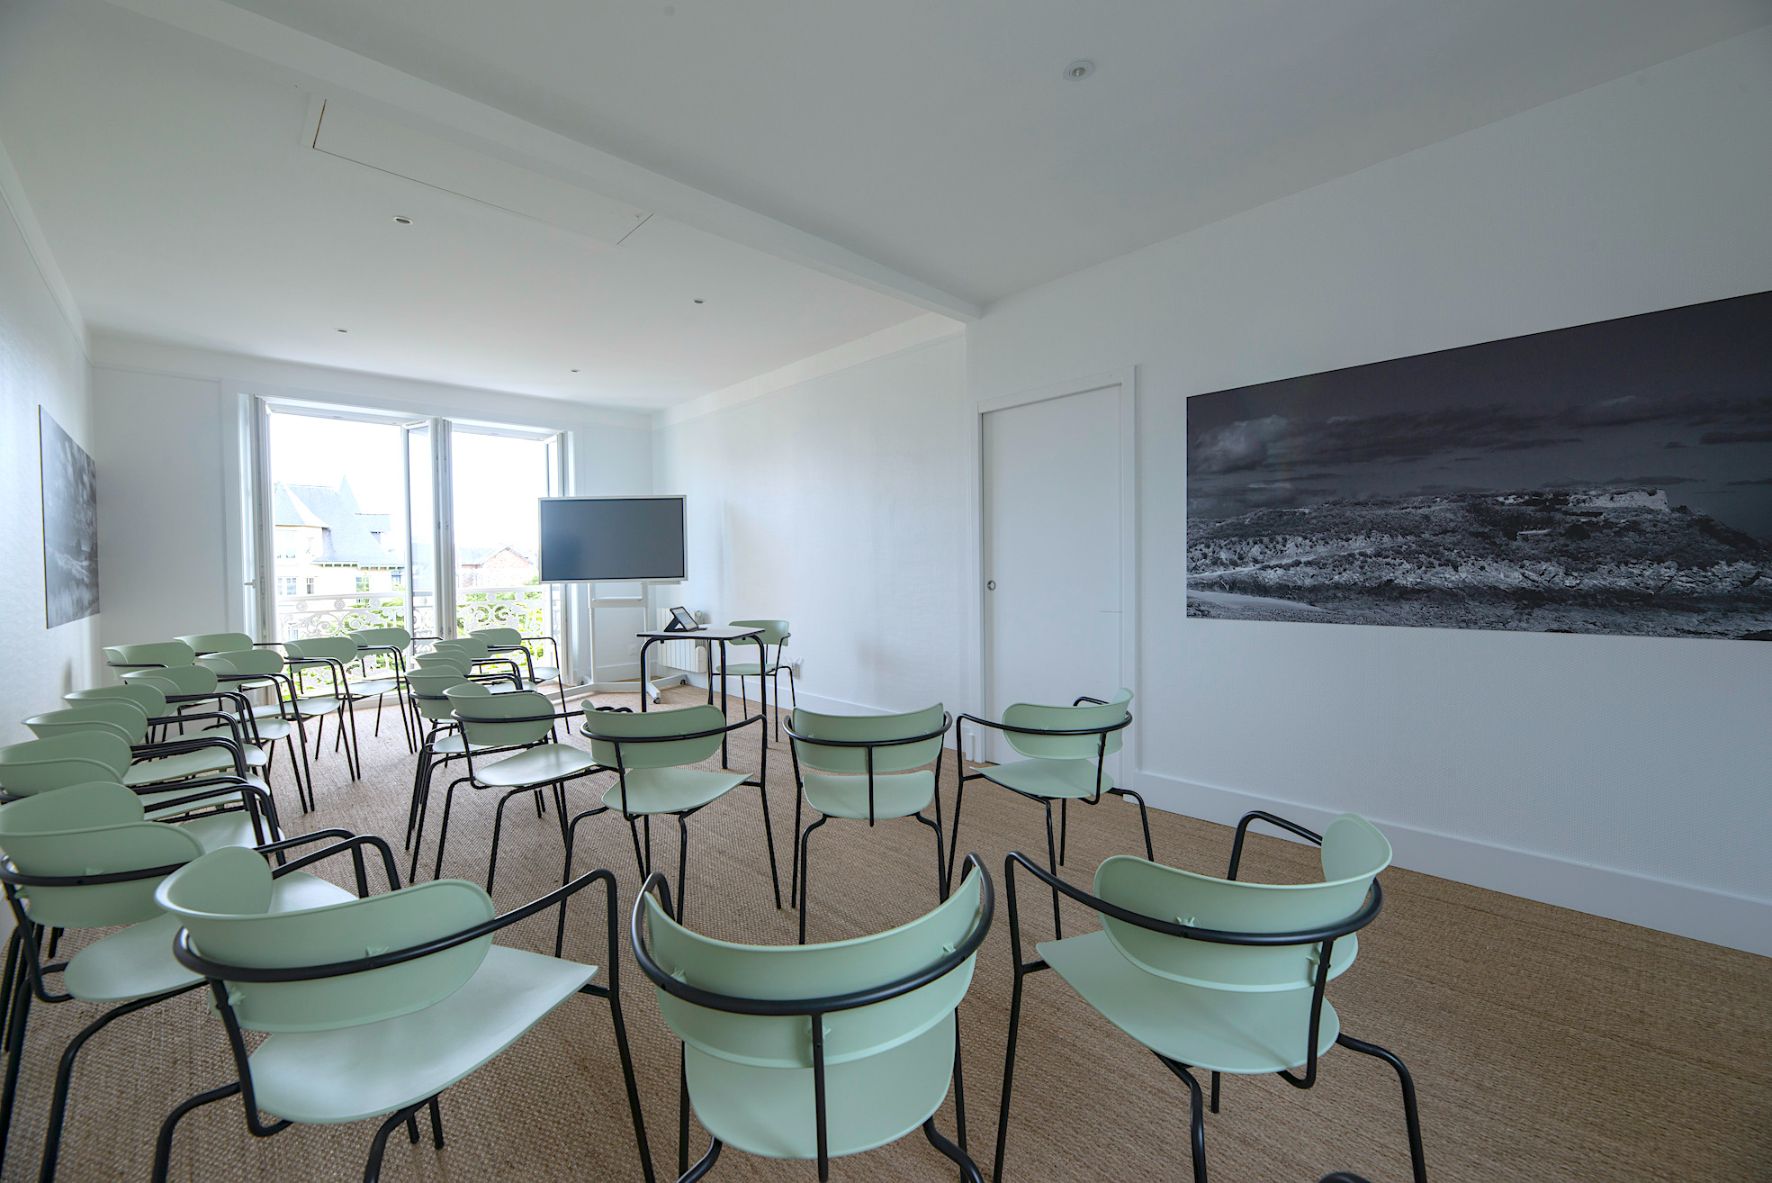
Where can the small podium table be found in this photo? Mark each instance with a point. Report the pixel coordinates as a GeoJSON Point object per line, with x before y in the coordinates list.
{"type": "Point", "coordinates": [711, 636]}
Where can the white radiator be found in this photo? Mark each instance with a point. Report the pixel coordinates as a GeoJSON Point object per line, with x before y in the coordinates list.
{"type": "Point", "coordinates": [691, 657]}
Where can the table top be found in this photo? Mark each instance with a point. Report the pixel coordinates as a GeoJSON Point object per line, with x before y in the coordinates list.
{"type": "Point", "coordinates": [706, 633]}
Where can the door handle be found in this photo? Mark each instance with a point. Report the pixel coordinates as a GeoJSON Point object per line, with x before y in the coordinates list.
{"type": "Point", "coordinates": [990, 585]}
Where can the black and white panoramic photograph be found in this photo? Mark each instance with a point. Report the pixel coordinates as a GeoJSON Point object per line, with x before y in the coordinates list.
{"type": "Point", "coordinates": [1609, 478]}
{"type": "Point", "coordinates": [70, 526]}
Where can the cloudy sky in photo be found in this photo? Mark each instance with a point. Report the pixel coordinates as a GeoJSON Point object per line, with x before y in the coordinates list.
{"type": "Point", "coordinates": [1678, 400]}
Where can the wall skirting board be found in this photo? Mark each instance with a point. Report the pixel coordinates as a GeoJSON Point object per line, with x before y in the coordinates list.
{"type": "Point", "coordinates": [1740, 922]}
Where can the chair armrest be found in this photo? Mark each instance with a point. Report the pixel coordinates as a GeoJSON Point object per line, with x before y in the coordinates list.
{"type": "Point", "coordinates": [1272, 819]}
{"type": "Point", "coordinates": [348, 843]}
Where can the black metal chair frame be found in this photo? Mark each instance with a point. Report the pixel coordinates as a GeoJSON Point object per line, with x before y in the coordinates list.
{"type": "Point", "coordinates": [347, 703]}
{"type": "Point", "coordinates": [468, 754]}
{"type": "Point", "coordinates": [219, 974]}
{"type": "Point", "coordinates": [26, 969]}
{"type": "Point", "coordinates": [1325, 935]}
{"type": "Point", "coordinates": [797, 883]}
{"type": "Point", "coordinates": [398, 657]}
{"type": "Point", "coordinates": [814, 1010]}
{"type": "Point", "coordinates": [769, 670]}
{"type": "Point", "coordinates": [529, 661]}
{"type": "Point", "coordinates": [428, 760]}
{"type": "Point", "coordinates": [242, 723]}
{"type": "Point", "coordinates": [283, 688]}
{"type": "Point", "coordinates": [1055, 848]}
{"type": "Point", "coordinates": [641, 823]}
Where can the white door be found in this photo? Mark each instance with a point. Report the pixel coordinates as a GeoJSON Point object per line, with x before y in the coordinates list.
{"type": "Point", "coordinates": [1052, 536]}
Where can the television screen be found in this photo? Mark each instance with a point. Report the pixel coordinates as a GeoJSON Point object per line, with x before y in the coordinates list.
{"type": "Point", "coordinates": [611, 538]}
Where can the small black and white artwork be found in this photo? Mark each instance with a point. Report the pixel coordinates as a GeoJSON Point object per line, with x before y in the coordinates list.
{"type": "Point", "coordinates": [1609, 478]}
{"type": "Point", "coordinates": [70, 526]}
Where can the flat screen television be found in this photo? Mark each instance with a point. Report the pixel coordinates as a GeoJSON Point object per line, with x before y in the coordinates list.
{"type": "Point", "coordinates": [611, 538]}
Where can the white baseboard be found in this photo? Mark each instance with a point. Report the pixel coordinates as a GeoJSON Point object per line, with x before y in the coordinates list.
{"type": "Point", "coordinates": [1705, 914]}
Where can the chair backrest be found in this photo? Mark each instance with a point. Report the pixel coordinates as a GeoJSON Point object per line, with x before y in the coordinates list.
{"type": "Point", "coordinates": [808, 972]}
{"type": "Point", "coordinates": [813, 726]}
{"type": "Point", "coordinates": [223, 899]}
{"type": "Point", "coordinates": [1067, 747]}
{"type": "Point", "coordinates": [90, 829]}
{"type": "Point", "coordinates": [113, 716]}
{"type": "Point", "coordinates": [607, 728]}
{"type": "Point", "coordinates": [253, 663]}
{"type": "Point", "coordinates": [388, 636]}
{"type": "Point", "coordinates": [450, 659]}
{"type": "Point", "coordinates": [149, 653]}
{"type": "Point", "coordinates": [481, 713]}
{"type": "Point", "coordinates": [775, 632]}
{"type": "Point", "coordinates": [202, 643]}
{"type": "Point", "coordinates": [39, 765]}
{"type": "Point", "coordinates": [322, 649]}
{"type": "Point", "coordinates": [474, 646]}
{"type": "Point", "coordinates": [498, 635]}
{"type": "Point", "coordinates": [430, 686]}
{"type": "Point", "coordinates": [1353, 854]}
{"type": "Point", "coordinates": [145, 695]}
{"type": "Point", "coordinates": [175, 680]}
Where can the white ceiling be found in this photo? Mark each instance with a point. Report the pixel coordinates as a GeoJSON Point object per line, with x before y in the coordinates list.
{"type": "Point", "coordinates": [169, 176]}
{"type": "Point", "coordinates": [941, 137]}
{"type": "Point", "coordinates": [818, 170]}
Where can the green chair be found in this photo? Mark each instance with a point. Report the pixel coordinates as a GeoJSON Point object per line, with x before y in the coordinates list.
{"type": "Point", "coordinates": [518, 725]}
{"type": "Point", "coordinates": [1217, 974]}
{"type": "Point", "coordinates": [203, 644]}
{"type": "Point", "coordinates": [370, 1007]}
{"type": "Point", "coordinates": [440, 738]}
{"type": "Point", "coordinates": [1064, 754]}
{"type": "Point", "coordinates": [84, 858]}
{"type": "Point", "coordinates": [188, 686]}
{"type": "Point", "coordinates": [262, 668]}
{"type": "Point", "coordinates": [866, 768]}
{"type": "Point", "coordinates": [330, 656]}
{"type": "Point", "coordinates": [775, 632]}
{"type": "Point", "coordinates": [652, 754]}
{"type": "Point", "coordinates": [149, 654]}
{"type": "Point", "coordinates": [503, 682]}
{"type": "Point", "coordinates": [389, 643]}
{"type": "Point", "coordinates": [814, 1052]}
{"type": "Point", "coordinates": [481, 658]}
{"type": "Point", "coordinates": [512, 641]}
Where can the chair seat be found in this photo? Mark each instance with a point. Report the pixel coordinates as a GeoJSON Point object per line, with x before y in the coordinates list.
{"type": "Point", "coordinates": [896, 794]}
{"type": "Point", "coordinates": [155, 803]}
{"type": "Point", "coordinates": [770, 1112]}
{"type": "Point", "coordinates": [270, 728]}
{"type": "Point", "coordinates": [749, 669]}
{"type": "Point", "coordinates": [219, 830]}
{"type": "Point", "coordinates": [137, 962]}
{"type": "Point", "coordinates": [543, 673]}
{"type": "Point", "coordinates": [320, 704]}
{"type": "Point", "coordinates": [371, 687]}
{"type": "Point", "coordinates": [1049, 778]}
{"type": "Point", "coordinates": [185, 764]}
{"type": "Point", "coordinates": [358, 1072]}
{"type": "Point", "coordinates": [670, 790]}
{"type": "Point", "coordinates": [1239, 1031]}
{"type": "Point", "coordinates": [539, 765]}
{"type": "Point", "coordinates": [454, 745]}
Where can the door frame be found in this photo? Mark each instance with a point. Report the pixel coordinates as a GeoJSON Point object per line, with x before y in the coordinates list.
{"type": "Point", "coordinates": [977, 675]}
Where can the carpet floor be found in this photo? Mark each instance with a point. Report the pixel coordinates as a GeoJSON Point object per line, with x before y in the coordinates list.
{"type": "Point", "coordinates": [1546, 1044]}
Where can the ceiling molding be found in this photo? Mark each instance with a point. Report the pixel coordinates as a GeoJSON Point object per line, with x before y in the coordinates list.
{"type": "Point", "coordinates": [910, 334]}
{"type": "Point", "coordinates": [330, 65]}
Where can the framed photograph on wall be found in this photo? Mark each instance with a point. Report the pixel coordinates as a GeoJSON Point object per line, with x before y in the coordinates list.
{"type": "Point", "coordinates": [1609, 478]}
{"type": "Point", "coordinates": [70, 526]}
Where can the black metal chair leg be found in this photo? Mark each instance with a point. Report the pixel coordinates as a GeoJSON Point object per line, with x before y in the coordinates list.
{"type": "Point", "coordinates": [769, 840]}
{"type": "Point", "coordinates": [1008, 1074]}
{"type": "Point", "coordinates": [21, 1009]}
{"type": "Point", "coordinates": [1411, 1111]}
{"type": "Point", "coordinates": [682, 861]}
{"type": "Point", "coordinates": [64, 1078]}
{"type": "Point", "coordinates": [372, 1170]}
{"type": "Point", "coordinates": [1215, 1080]}
{"type": "Point", "coordinates": [1064, 828]}
{"type": "Point", "coordinates": [1144, 819]}
{"type": "Point", "coordinates": [639, 859]}
{"type": "Point", "coordinates": [954, 834]}
{"type": "Point", "coordinates": [968, 1168]}
{"type": "Point", "coordinates": [411, 1124]}
{"type": "Point", "coordinates": [682, 1110]}
{"type": "Point", "coordinates": [498, 821]}
{"type": "Point", "coordinates": [627, 1077]}
{"type": "Point", "coordinates": [1052, 863]}
{"type": "Point", "coordinates": [941, 870]}
{"type": "Point", "coordinates": [794, 871]}
{"type": "Point", "coordinates": [1196, 1116]}
{"type": "Point", "coordinates": [700, 1169]}
{"type": "Point", "coordinates": [443, 830]}
{"type": "Point", "coordinates": [436, 1125]}
{"type": "Point", "coordinates": [163, 1143]}
{"type": "Point", "coordinates": [805, 846]}
{"type": "Point", "coordinates": [8, 980]}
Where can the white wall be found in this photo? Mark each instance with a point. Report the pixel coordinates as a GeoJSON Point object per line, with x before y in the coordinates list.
{"type": "Point", "coordinates": [833, 503]}
{"type": "Point", "coordinates": [42, 362]}
{"type": "Point", "coordinates": [1623, 776]}
{"type": "Point", "coordinates": [170, 463]}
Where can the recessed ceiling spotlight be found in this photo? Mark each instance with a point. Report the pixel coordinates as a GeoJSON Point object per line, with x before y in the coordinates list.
{"type": "Point", "coordinates": [344, 330]}
{"type": "Point", "coordinates": [699, 300]}
{"type": "Point", "coordinates": [402, 220]}
{"type": "Point", "coordinates": [1079, 69]}
{"type": "Point", "coordinates": [575, 369]}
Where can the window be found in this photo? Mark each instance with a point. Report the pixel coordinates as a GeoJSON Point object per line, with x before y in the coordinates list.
{"type": "Point", "coordinates": [398, 577]}
{"type": "Point", "coordinates": [362, 583]}
{"type": "Point", "coordinates": [311, 582]}
{"type": "Point", "coordinates": [288, 585]}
